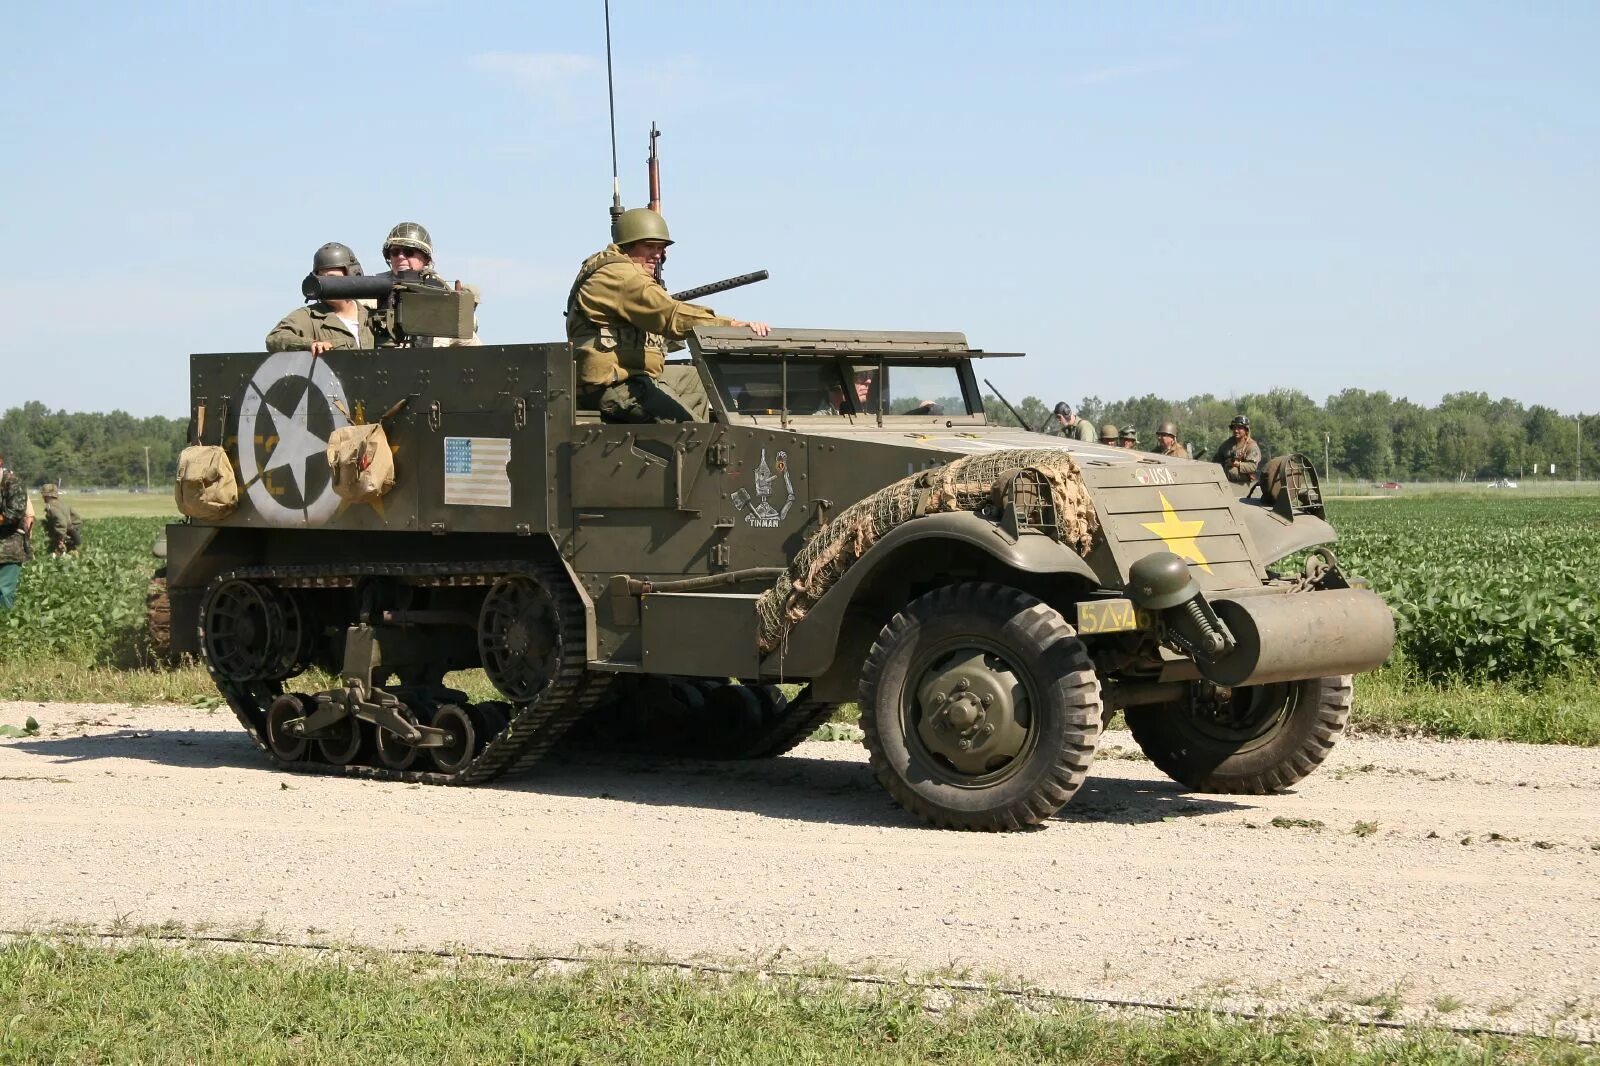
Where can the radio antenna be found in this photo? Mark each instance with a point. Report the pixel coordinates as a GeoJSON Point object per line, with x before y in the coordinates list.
{"type": "Point", "coordinates": [611, 104]}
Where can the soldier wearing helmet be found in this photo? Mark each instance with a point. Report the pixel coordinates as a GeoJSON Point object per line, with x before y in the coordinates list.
{"type": "Point", "coordinates": [1167, 441]}
{"type": "Point", "coordinates": [325, 325]}
{"type": "Point", "coordinates": [621, 323]}
{"type": "Point", "coordinates": [1069, 424]}
{"type": "Point", "coordinates": [1239, 456]}
{"type": "Point", "coordinates": [408, 249]}
{"type": "Point", "coordinates": [1128, 438]}
{"type": "Point", "coordinates": [62, 526]}
{"type": "Point", "coordinates": [1108, 434]}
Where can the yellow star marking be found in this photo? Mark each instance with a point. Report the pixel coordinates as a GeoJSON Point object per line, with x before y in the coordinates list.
{"type": "Point", "coordinates": [1179, 535]}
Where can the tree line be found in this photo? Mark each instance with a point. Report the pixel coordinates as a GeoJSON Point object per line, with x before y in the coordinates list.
{"type": "Point", "coordinates": [1368, 435]}
{"type": "Point", "coordinates": [85, 448]}
{"type": "Point", "coordinates": [1364, 435]}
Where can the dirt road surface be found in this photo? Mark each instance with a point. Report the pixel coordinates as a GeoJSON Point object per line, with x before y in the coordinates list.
{"type": "Point", "coordinates": [1457, 882]}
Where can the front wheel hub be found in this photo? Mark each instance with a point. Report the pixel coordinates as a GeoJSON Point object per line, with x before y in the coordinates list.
{"type": "Point", "coordinates": [972, 714]}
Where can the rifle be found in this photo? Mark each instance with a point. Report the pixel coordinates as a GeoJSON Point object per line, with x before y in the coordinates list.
{"type": "Point", "coordinates": [1001, 396]}
{"type": "Point", "coordinates": [721, 286]}
{"type": "Point", "coordinates": [652, 169]}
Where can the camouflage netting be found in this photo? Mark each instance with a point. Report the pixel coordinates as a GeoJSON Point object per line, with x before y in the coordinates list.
{"type": "Point", "coordinates": [965, 484]}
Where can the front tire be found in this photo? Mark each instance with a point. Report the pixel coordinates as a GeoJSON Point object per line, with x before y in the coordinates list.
{"type": "Point", "coordinates": [1244, 741]}
{"type": "Point", "coordinates": [980, 708]}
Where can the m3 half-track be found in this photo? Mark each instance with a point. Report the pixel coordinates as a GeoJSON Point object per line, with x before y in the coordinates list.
{"type": "Point", "coordinates": [846, 520]}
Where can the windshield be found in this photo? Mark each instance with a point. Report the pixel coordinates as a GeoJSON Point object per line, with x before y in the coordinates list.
{"type": "Point", "coordinates": [841, 388]}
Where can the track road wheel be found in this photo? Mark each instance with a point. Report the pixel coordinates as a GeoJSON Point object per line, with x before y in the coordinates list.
{"type": "Point", "coordinates": [980, 708]}
{"type": "Point", "coordinates": [345, 743]}
{"type": "Point", "coordinates": [1252, 740]}
{"type": "Point", "coordinates": [393, 752]}
{"type": "Point", "coordinates": [283, 710]}
{"type": "Point", "coordinates": [462, 744]}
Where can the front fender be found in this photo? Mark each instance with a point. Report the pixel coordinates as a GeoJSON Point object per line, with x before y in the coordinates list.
{"type": "Point", "coordinates": [1276, 537]}
{"type": "Point", "coordinates": [810, 646]}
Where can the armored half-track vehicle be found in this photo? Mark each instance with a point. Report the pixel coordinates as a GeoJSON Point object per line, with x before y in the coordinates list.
{"type": "Point", "coordinates": [845, 525]}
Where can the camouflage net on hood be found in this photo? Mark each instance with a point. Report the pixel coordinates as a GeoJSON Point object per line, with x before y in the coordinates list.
{"type": "Point", "coordinates": [965, 484]}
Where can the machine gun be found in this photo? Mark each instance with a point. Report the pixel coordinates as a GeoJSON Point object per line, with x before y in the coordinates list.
{"type": "Point", "coordinates": [409, 304]}
{"type": "Point", "coordinates": [721, 286]}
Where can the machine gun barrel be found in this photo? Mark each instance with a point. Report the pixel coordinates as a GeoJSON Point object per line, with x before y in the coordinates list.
{"type": "Point", "coordinates": [721, 286]}
{"type": "Point", "coordinates": [335, 287]}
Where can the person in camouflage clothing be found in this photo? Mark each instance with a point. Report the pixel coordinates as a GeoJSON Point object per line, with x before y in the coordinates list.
{"type": "Point", "coordinates": [322, 326]}
{"type": "Point", "coordinates": [621, 323]}
{"type": "Point", "coordinates": [13, 534]}
{"type": "Point", "coordinates": [62, 526]}
{"type": "Point", "coordinates": [1240, 456]}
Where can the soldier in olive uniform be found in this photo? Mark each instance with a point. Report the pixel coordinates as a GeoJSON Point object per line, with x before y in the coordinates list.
{"type": "Point", "coordinates": [325, 325]}
{"type": "Point", "coordinates": [1070, 425]}
{"type": "Point", "coordinates": [1240, 456]}
{"type": "Point", "coordinates": [1129, 438]}
{"type": "Point", "coordinates": [1108, 434]}
{"type": "Point", "coordinates": [621, 323]}
{"type": "Point", "coordinates": [13, 534]}
{"type": "Point", "coordinates": [409, 248]}
{"type": "Point", "coordinates": [1167, 441]}
{"type": "Point", "coordinates": [62, 526]}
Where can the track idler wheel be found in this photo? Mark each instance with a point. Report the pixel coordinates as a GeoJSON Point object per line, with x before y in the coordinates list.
{"type": "Point", "coordinates": [283, 744]}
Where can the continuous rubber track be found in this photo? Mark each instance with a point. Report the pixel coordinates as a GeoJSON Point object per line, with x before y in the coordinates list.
{"type": "Point", "coordinates": [535, 725]}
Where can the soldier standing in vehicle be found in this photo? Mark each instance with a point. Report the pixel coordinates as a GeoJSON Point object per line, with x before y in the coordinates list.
{"type": "Point", "coordinates": [1070, 425]}
{"type": "Point", "coordinates": [13, 534]}
{"type": "Point", "coordinates": [1129, 438]}
{"type": "Point", "coordinates": [1167, 441]}
{"type": "Point", "coordinates": [325, 325]}
{"type": "Point", "coordinates": [621, 323]}
{"type": "Point", "coordinates": [1108, 434]}
{"type": "Point", "coordinates": [409, 249]}
{"type": "Point", "coordinates": [62, 526]}
{"type": "Point", "coordinates": [1240, 456]}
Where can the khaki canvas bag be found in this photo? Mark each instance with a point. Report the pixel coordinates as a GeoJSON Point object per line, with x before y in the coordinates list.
{"type": "Point", "coordinates": [360, 462]}
{"type": "Point", "coordinates": [206, 485]}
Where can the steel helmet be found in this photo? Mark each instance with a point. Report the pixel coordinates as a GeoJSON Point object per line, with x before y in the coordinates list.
{"type": "Point", "coordinates": [1108, 431]}
{"type": "Point", "coordinates": [1240, 422]}
{"type": "Point", "coordinates": [640, 224]}
{"type": "Point", "coordinates": [409, 235]}
{"type": "Point", "coordinates": [50, 491]}
{"type": "Point", "coordinates": [1129, 433]}
{"type": "Point", "coordinates": [1167, 429]}
{"type": "Point", "coordinates": [333, 254]}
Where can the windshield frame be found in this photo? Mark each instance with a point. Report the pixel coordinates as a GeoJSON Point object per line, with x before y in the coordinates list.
{"type": "Point", "coordinates": [845, 365]}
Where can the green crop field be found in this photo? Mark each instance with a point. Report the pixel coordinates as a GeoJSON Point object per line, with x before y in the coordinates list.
{"type": "Point", "coordinates": [1496, 601]}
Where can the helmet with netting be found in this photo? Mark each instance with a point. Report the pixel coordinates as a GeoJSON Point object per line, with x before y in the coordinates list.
{"type": "Point", "coordinates": [409, 235]}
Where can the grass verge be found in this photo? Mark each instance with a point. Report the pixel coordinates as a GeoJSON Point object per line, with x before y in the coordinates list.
{"type": "Point", "coordinates": [67, 1001]}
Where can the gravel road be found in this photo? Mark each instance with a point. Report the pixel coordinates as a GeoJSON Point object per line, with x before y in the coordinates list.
{"type": "Point", "coordinates": [1457, 882]}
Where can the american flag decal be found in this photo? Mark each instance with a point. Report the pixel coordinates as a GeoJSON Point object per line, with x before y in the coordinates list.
{"type": "Point", "coordinates": [475, 471]}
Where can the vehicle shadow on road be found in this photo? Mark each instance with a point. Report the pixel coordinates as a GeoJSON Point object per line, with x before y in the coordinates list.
{"type": "Point", "coordinates": [838, 791]}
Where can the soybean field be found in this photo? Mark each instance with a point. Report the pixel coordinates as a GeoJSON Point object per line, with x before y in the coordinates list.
{"type": "Point", "coordinates": [1495, 598]}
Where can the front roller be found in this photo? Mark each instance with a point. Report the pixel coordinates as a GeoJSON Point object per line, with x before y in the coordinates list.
{"type": "Point", "coordinates": [980, 708]}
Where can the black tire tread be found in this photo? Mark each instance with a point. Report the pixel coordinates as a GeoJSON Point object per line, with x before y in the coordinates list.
{"type": "Point", "coordinates": [1045, 628]}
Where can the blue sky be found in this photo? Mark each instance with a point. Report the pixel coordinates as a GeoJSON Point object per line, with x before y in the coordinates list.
{"type": "Point", "coordinates": [1169, 198]}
